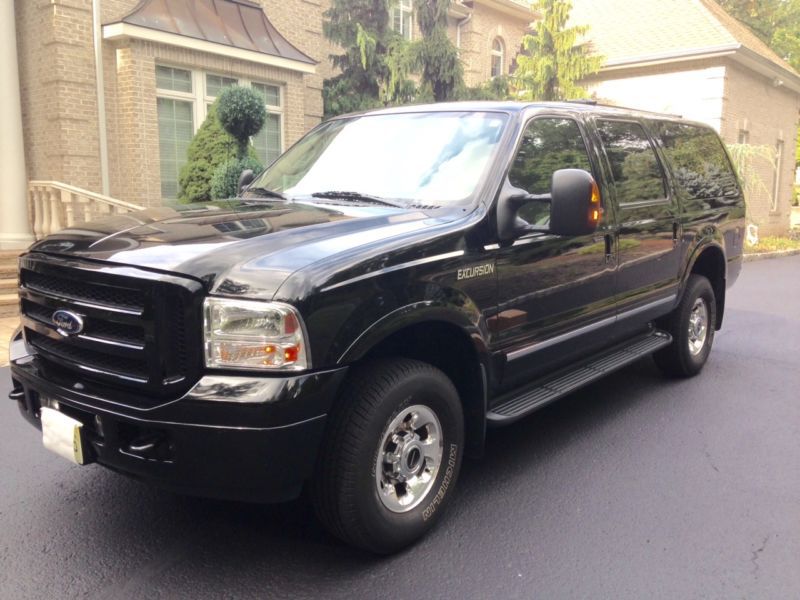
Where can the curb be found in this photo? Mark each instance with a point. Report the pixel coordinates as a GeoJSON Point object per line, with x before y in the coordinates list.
{"type": "Point", "coordinates": [764, 255]}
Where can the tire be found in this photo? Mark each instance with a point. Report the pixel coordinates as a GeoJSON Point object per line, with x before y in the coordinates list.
{"type": "Point", "coordinates": [357, 493]}
{"type": "Point", "coordinates": [689, 351]}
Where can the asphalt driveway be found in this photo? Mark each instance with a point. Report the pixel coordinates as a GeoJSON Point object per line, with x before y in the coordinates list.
{"type": "Point", "coordinates": [637, 487]}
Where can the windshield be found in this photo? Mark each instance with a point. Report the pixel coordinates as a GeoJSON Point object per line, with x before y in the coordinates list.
{"type": "Point", "coordinates": [436, 158]}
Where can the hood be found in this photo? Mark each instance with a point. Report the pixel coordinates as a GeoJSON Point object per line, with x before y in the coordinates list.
{"type": "Point", "coordinates": [236, 248]}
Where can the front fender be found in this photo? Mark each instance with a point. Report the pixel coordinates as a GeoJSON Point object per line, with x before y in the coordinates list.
{"type": "Point", "coordinates": [467, 318]}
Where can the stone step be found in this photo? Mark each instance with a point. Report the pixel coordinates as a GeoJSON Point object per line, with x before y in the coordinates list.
{"type": "Point", "coordinates": [9, 305]}
{"type": "Point", "coordinates": [8, 283]}
{"type": "Point", "coordinates": [8, 271]}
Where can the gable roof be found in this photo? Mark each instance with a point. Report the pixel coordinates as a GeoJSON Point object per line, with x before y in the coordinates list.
{"type": "Point", "coordinates": [238, 24]}
{"type": "Point", "coordinates": [645, 31]}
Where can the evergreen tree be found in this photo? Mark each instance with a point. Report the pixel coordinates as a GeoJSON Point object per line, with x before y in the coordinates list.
{"type": "Point", "coordinates": [435, 55]}
{"type": "Point", "coordinates": [776, 22]}
{"type": "Point", "coordinates": [553, 59]}
{"type": "Point", "coordinates": [361, 28]}
{"type": "Point", "coordinates": [210, 147]}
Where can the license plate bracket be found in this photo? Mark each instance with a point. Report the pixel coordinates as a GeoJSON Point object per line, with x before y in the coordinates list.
{"type": "Point", "coordinates": [63, 435]}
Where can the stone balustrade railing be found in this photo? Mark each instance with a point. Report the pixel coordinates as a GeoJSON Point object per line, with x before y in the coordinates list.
{"type": "Point", "coordinates": [53, 205]}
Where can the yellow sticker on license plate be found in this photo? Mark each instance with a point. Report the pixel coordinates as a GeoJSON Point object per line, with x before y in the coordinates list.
{"type": "Point", "coordinates": [62, 435]}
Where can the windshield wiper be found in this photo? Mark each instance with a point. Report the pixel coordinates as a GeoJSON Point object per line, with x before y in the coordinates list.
{"type": "Point", "coordinates": [265, 193]}
{"type": "Point", "coordinates": [357, 196]}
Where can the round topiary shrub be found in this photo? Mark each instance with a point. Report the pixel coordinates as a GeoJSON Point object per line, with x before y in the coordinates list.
{"type": "Point", "coordinates": [241, 113]}
{"type": "Point", "coordinates": [224, 183]}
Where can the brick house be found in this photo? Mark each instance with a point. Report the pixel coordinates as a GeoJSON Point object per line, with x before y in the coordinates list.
{"type": "Point", "coordinates": [112, 90]}
{"type": "Point", "coordinates": [104, 95]}
{"type": "Point", "coordinates": [690, 57]}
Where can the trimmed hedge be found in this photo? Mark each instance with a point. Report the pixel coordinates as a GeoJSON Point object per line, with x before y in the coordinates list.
{"type": "Point", "coordinates": [241, 113]}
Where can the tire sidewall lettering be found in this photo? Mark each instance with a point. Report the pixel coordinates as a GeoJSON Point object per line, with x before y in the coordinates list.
{"type": "Point", "coordinates": [449, 472]}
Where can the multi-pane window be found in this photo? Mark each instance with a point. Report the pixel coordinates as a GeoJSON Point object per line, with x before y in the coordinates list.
{"type": "Point", "coordinates": [498, 57]}
{"type": "Point", "coordinates": [267, 142]}
{"type": "Point", "coordinates": [175, 124]}
{"type": "Point", "coordinates": [216, 83]}
{"type": "Point", "coordinates": [184, 97]}
{"type": "Point", "coordinates": [637, 172]}
{"type": "Point", "coordinates": [403, 18]}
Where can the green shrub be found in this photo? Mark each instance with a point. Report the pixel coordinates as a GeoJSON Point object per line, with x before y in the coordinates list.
{"type": "Point", "coordinates": [210, 147]}
{"type": "Point", "coordinates": [496, 88]}
{"type": "Point", "coordinates": [241, 113]}
{"type": "Point", "coordinates": [224, 183]}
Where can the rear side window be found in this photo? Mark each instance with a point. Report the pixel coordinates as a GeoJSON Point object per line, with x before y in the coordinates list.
{"type": "Point", "coordinates": [634, 165]}
{"type": "Point", "coordinates": [698, 161]}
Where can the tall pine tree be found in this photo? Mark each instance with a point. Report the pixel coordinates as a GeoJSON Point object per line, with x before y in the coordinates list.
{"type": "Point", "coordinates": [553, 59]}
{"type": "Point", "coordinates": [361, 28]}
{"type": "Point", "coordinates": [436, 57]}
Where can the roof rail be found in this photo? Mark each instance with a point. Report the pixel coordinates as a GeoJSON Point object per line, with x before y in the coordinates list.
{"type": "Point", "coordinates": [639, 110]}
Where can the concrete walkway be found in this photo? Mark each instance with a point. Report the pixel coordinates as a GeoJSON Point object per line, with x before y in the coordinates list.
{"type": "Point", "coordinates": [7, 327]}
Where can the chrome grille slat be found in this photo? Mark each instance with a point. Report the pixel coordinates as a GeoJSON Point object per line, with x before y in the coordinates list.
{"type": "Point", "coordinates": [109, 342]}
{"type": "Point", "coordinates": [78, 302]}
{"type": "Point", "coordinates": [139, 334]}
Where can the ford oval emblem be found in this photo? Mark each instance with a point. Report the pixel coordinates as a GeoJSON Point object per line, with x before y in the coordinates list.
{"type": "Point", "coordinates": [68, 323]}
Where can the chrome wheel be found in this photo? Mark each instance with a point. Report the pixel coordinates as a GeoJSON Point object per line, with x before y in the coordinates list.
{"type": "Point", "coordinates": [698, 326]}
{"type": "Point", "coordinates": [408, 458]}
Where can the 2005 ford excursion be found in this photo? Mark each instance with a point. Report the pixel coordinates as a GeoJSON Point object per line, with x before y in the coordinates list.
{"type": "Point", "coordinates": [394, 284]}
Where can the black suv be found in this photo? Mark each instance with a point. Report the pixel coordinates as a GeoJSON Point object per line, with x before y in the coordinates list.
{"type": "Point", "coordinates": [392, 285]}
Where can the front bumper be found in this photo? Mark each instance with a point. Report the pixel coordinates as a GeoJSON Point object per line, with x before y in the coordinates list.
{"type": "Point", "coordinates": [234, 437]}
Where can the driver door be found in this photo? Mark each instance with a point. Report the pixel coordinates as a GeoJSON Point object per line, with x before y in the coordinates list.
{"type": "Point", "coordinates": [555, 293]}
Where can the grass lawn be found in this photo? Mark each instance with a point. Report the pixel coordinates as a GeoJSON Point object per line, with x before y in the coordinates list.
{"type": "Point", "coordinates": [772, 244]}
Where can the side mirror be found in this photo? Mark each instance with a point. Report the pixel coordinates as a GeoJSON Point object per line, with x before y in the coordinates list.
{"type": "Point", "coordinates": [575, 204]}
{"type": "Point", "coordinates": [245, 179]}
{"type": "Point", "coordinates": [574, 207]}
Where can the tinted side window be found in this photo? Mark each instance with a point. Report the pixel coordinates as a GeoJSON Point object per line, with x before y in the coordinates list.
{"type": "Point", "coordinates": [548, 144]}
{"type": "Point", "coordinates": [698, 161]}
{"type": "Point", "coordinates": [637, 174]}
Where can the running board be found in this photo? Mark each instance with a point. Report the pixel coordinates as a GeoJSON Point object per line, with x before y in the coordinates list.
{"type": "Point", "coordinates": [516, 405]}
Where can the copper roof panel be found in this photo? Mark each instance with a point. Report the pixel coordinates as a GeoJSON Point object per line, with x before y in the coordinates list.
{"type": "Point", "coordinates": [237, 23]}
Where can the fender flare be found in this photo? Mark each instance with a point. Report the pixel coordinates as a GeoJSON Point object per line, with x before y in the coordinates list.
{"type": "Point", "coordinates": [426, 311]}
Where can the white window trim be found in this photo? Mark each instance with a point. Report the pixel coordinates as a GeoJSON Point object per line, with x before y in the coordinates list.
{"type": "Point", "coordinates": [200, 98]}
{"type": "Point", "coordinates": [498, 53]}
{"type": "Point", "coordinates": [779, 148]}
{"type": "Point", "coordinates": [404, 6]}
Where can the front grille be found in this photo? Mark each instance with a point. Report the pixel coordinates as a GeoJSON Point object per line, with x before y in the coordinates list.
{"type": "Point", "coordinates": [90, 360]}
{"type": "Point", "coordinates": [141, 331]}
{"type": "Point", "coordinates": [102, 295]}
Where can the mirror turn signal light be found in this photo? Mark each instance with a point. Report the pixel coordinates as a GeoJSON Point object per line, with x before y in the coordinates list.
{"type": "Point", "coordinates": [596, 209]}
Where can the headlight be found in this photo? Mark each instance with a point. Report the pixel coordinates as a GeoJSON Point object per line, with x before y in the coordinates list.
{"type": "Point", "coordinates": [245, 334]}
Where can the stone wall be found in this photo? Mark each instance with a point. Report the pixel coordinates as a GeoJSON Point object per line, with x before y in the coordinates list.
{"type": "Point", "coordinates": [692, 89]}
{"type": "Point", "coordinates": [768, 113]}
{"type": "Point", "coordinates": [58, 93]}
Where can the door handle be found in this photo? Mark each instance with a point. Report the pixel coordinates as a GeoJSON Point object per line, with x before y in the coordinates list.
{"type": "Point", "coordinates": [676, 230]}
{"type": "Point", "coordinates": [609, 241]}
